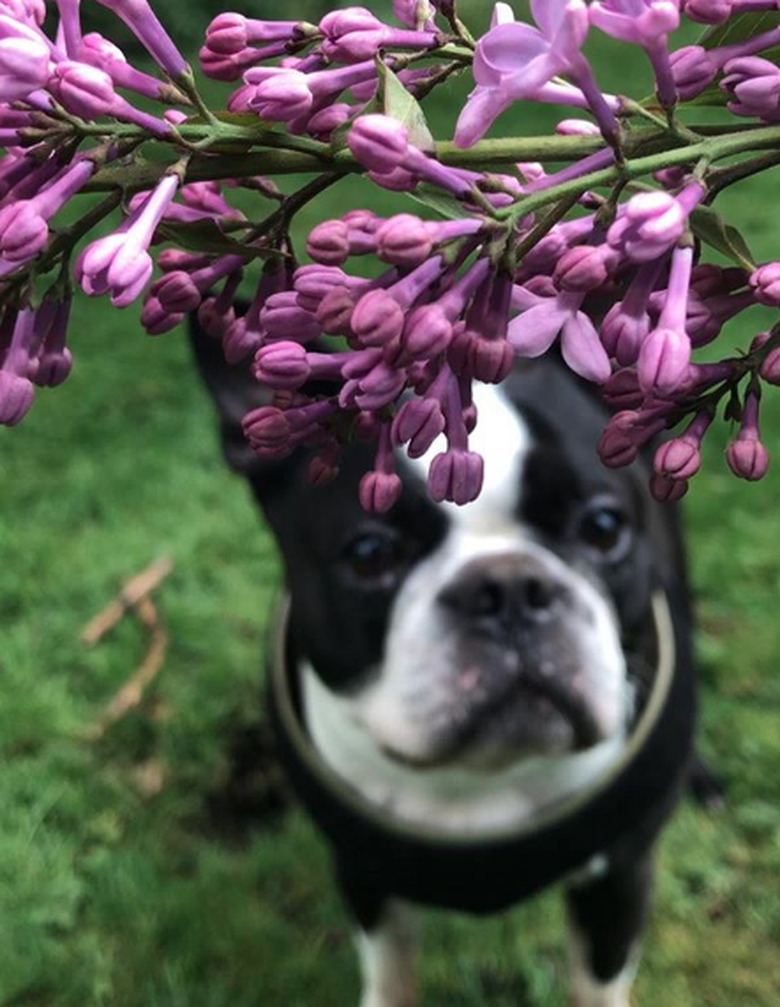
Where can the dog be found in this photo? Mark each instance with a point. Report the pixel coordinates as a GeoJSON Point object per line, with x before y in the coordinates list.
{"type": "Point", "coordinates": [477, 702]}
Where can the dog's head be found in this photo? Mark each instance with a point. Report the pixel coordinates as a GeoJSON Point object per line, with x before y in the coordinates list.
{"type": "Point", "coordinates": [473, 634]}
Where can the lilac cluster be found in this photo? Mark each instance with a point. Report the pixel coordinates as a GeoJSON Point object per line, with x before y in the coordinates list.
{"type": "Point", "coordinates": [46, 85]}
{"type": "Point", "coordinates": [604, 257]}
{"type": "Point", "coordinates": [324, 74]}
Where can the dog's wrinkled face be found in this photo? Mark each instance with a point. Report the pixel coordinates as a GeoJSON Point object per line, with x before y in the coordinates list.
{"type": "Point", "coordinates": [478, 635]}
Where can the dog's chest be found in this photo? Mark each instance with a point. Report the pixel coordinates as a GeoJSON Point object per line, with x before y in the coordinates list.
{"type": "Point", "coordinates": [450, 800]}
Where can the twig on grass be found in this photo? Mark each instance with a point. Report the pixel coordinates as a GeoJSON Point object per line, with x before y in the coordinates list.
{"type": "Point", "coordinates": [134, 595]}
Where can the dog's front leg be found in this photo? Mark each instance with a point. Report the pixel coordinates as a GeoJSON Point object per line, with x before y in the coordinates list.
{"type": "Point", "coordinates": [607, 916]}
{"type": "Point", "coordinates": [386, 942]}
{"type": "Point", "coordinates": [387, 959]}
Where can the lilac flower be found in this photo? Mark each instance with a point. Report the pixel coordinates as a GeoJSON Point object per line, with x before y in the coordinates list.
{"type": "Point", "coordinates": [652, 222]}
{"type": "Point", "coordinates": [283, 94]}
{"type": "Point", "coordinates": [89, 93]}
{"type": "Point", "coordinates": [516, 60]}
{"type": "Point", "coordinates": [120, 264]}
{"type": "Point", "coordinates": [746, 456]}
{"type": "Point", "coordinates": [99, 52]}
{"type": "Point", "coordinates": [534, 331]}
{"type": "Point", "coordinates": [680, 458]}
{"type": "Point", "coordinates": [627, 322]}
{"type": "Point", "coordinates": [19, 363]}
{"type": "Point", "coordinates": [229, 32]}
{"type": "Point", "coordinates": [25, 59]}
{"type": "Point", "coordinates": [54, 358]}
{"type": "Point", "coordinates": [754, 84]}
{"type": "Point", "coordinates": [666, 351]}
{"type": "Point", "coordinates": [417, 14]}
{"type": "Point", "coordinates": [765, 284]}
{"type": "Point", "coordinates": [24, 228]}
{"type": "Point", "coordinates": [648, 23]}
{"type": "Point", "coordinates": [381, 487]}
{"type": "Point", "coordinates": [145, 25]}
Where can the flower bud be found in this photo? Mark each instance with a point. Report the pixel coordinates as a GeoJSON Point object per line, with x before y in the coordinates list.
{"type": "Point", "coordinates": [456, 476]}
{"type": "Point", "coordinates": [281, 365]}
{"type": "Point", "coordinates": [403, 240]}
{"type": "Point", "coordinates": [765, 282]}
{"type": "Point", "coordinates": [377, 318]}
{"type": "Point", "coordinates": [770, 367]}
{"type": "Point", "coordinates": [677, 459]}
{"type": "Point", "coordinates": [663, 360]}
{"type": "Point", "coordinates": [379, 142]}
{"type": "Point", "coordinates": [378, 491]}
{"type": "Point", "coordinates": [328, 243]}
{"type": "Point", "coordinates": [418, 421]}
{"type": "Point", "coordinates": [748, 458]}
{"type": "Point", "coordinates": [666, 489]}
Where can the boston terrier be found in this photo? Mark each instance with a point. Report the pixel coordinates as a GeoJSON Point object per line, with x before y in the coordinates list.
{"type": "Point", "coordinates": [477, 702]}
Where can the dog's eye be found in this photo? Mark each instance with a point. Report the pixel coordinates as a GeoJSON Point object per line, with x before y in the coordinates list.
{"type": "Point", "coordinates": [371, 555]}
{"type": "Point", "coordinates": [605, 527]}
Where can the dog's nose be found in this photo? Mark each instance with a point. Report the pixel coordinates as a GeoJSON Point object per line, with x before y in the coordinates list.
{"type": "Point", "coordinates": [501, 592]}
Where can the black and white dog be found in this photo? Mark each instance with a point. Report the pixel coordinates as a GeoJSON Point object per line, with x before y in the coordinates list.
{"type": "Point", "coordinates": [477, 702]}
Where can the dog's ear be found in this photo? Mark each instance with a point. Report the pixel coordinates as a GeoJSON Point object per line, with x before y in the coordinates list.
{"type": "Point", "coordinates": [234, 393]}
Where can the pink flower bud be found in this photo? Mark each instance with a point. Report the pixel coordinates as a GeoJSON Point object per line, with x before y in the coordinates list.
{"type": "Point", "coordinates": [747, 459]}
{"type": "Point", "coordinates": [765, 282]}
{"type": "Point", "coordinates": [377, 318]}
{"type": "Point", "coordinates": [677, 459]}
{"type": "Point", "coordinates": [693, 70]}
{"type": "Point", "coordinates": [770, 367]}
{"type": "Point", "coordinates": [403, 240]}
{"type": "Point", "coordinates": [378, 491]}
{"type": "Point", "coordinates": [456, 476]}
{"type": "Point", "coordinates": [616, 446]}
{"type": "Point", "coordinates": [585, 267]}
{"type": "Point", "coordinates": [177, 292]}
{"type": "Point", "coordinates": [622, 390]}
{"type": "Point", "coordinates": [708, 11]}
{"type": "Point", "coordinates": [666, 489]}
{"type": "Point", "coordinates": [379, 142]}
{"type": "Point", "coordinates": [268, 431]}
{"type": "Point", "coordinates": [663, 360]}
{"type": "Point", "coordinates": [282, 365]}
{"type": "Point", "coordinates": [418, 421]}
{"type": "Point", "coordinates": [156, 319]}
{"type": "Point", "coordinates": [25, 59]}
{"type": "Point", "coordinates": [427, 332]}
{"type": "Point", "coordinates": [334, 312]}
{"type": "Point", "coordinates": [16, 398]}
{"type": "Point", "coordinates": [328, 243]}
{"type": "Point", "coordinates": [282, 317]}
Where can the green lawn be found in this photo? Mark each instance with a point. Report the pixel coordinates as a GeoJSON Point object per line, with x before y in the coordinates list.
{"type": "Point", "coordinates": [126, 876]}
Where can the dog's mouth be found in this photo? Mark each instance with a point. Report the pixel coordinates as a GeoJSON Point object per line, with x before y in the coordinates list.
{"type": "Point", "coordinates": [536, 714]}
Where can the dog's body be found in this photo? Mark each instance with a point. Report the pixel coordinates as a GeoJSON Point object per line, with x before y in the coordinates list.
{"type": "Point", "coordinates": [470, 679]}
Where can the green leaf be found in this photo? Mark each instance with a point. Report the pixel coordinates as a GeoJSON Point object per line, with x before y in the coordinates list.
{"type": "Point", "coordinates": [206, 236]}
{"type": "Point", "coordinates": [397, 102]}
{"type": "Point", "coordinates": [740, 29]}
{"type": "Point", "coordinates": [446, 206]}
{"type": "Point", "coordinates": [710, 96]}
{"type": "Point", "coordinates": [713, 230]}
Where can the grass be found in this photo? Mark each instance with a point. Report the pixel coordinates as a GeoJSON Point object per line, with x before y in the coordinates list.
{"type": "Point", "coordinates": [127, 876]}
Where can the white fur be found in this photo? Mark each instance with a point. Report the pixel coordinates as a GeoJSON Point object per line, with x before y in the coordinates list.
{"type": "Point", "coordinates": [399, 713]}
{"type": "Point", "coordinates": [387, 960]}
{"type": "Point", "coordinates": [587, 991]}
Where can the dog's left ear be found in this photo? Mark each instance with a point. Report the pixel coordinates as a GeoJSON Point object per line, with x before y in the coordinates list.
{"type": "Point", "coordinates": [234, 393]}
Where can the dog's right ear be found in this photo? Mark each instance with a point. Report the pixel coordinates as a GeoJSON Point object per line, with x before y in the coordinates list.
{"type": "Point", "coordinates": [234, 393]}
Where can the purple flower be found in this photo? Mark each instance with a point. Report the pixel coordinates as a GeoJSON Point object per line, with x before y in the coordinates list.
{"type": "Point", "coordinates": [680, 458]}
{"type": "Point", "coordinates": [765, 284]}
{"type": "Point", "coordinates": [120, 264]}
{"type": "Point", "coordinates": [534, 331]}
{"type": "Point", "coordinates": [754, 84]}
{"type": "Point", "coordinates": [646, 22]}
{"type": "Point", "coordinates": [24, 228]}
{"type": "Point", "coordinates": [746, 456]}
{"type": "Point", "coordinates": [666, 352]}
{"type": "Point", "coordinates": [229, 32]}
{"type": "Point", "coordinates": [379, 142]}
{"type": "Point", "coordinates": [145, 25]}
{"type": "Point", "coordinates": [19, 364]}
{"type": "Point", "coordinates": [25, 59]}
{"type": "Point", "coordinates": [89, 93]}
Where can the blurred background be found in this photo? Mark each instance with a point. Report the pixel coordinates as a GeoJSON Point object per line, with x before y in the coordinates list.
{"type": "Point", "coordinates": [162, 862]}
